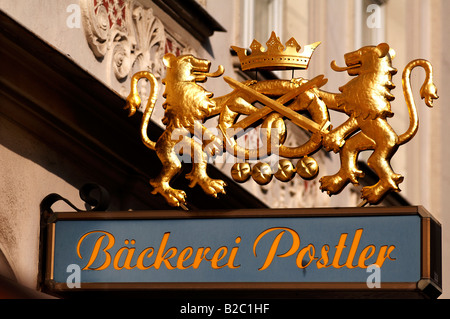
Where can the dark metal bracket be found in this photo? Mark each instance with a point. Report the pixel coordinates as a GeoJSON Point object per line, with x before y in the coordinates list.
{"type": "Point", "coordinates": [87, 194]}
{"type": "Point", "coordinates": [94, 195]}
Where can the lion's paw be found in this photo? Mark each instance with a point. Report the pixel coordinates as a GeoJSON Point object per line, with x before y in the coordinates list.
{"type": "Point", "coordinates": [375, 193]}
{"type": "Point", "coordinates": [174, 197]}
{"type": "Point", "coordinates": [332, 184]}
{"type": "Point", "coordinates": [354, 175]}
{"type": "Point", "coordinates": [333, 142]}
{"type": "Point", "coordinates": [210, 186]}
{"type": "Point", "coordinates": [215, 187]}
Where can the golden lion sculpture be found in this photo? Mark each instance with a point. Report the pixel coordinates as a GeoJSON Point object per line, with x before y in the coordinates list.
{"type": "Point", "coordinates": [366, 100]}
{"type": "Point", "coordinates": [187, 105]}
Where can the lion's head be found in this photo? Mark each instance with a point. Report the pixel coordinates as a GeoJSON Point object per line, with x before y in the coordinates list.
{"type": "Point", "coordinates": [187, 68]}
{"type": "Point", "coordinates": [366, 59]}
{"type": "Point", "coordinates": [369, 93]}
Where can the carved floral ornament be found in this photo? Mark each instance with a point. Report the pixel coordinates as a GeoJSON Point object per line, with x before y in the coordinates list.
{"type": "Point", "coordinates": [124, 34]}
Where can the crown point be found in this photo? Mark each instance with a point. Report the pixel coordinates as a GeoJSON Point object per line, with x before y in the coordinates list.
{"type": "Point", "coordinates": [256, 47]}
{"type": "Point", "coordinates": [292, 43]}
{"type": "Point", "coordinates": [274, 43]}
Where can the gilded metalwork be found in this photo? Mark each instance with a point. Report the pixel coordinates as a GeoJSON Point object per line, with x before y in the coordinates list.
{"type": "Point", "coordinates": [276, 57]}
{"type": "Point", "coordinates": [241, 172]}
{"type": "Point", "coordinates": [187, 105]}
{"type": "Point", "coordinates": [286, 170]}
{"type": "Point", "coordinates": [365, 99]}
{"type": "Point", "coordinates": [307, 167]}
{"type": "Point", "coordinates": [262, 173]}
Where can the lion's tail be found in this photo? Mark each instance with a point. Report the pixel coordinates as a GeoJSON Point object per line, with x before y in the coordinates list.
{"type": "Point", "coordinates": [134, 102]}
{"type": "Point", "coordinates": [428, 92]}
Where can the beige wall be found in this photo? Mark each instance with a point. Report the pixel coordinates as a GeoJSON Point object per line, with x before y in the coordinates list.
{"type": "Point", "coordinates": [30, 170]}
{"type": "Point", "coordinates": [419, 29]}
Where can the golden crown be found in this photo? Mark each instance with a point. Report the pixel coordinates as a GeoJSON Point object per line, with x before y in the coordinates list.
{"type": "Point", "coordinates": [277, 57]}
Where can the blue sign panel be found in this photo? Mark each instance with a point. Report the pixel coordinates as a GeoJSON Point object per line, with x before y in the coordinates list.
{"type": "Point", "coordinates": [294, 248]}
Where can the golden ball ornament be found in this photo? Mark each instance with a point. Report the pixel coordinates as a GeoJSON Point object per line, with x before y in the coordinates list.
{"type": "Point", "coordinates": [286, 170]}
{"type": "Point", "coordinates": [262, 173]}
{"type": "Point", "coordinates": [307, 168]}
{"type": "Point", "coordinates": [241, 172]}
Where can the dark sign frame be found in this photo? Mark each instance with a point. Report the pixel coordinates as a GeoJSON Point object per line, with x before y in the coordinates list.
{"type": "Point", "coordinates": [429, 286]}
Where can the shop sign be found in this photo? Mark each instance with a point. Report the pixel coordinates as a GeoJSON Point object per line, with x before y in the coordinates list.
{"type": "Point", "coordinates": [348, 248]}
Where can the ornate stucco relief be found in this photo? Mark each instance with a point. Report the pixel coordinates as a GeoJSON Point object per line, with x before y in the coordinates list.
{"type": "Point", "coordinates": [127, 37]}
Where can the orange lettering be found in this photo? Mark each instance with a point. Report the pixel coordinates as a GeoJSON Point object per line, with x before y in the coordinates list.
{"type": "Point", "coordinates": [182, 258]}
{"type": "Point", "coordinates": [353, 248]}
{"type": "Point", "coordinates": [340, 246]}
{"type": "Point", "coordinates": [233, 255]}
{"type": "Point", "coordinates": [199, 256]}
{"type": "Point", "coordinates": [127, 262]}
{"type": "Point", "coordinates": [366, 254]}
{"type": "Point", "coordinates": [96, 250]}
{"type": "Point", "coordinates": [218, 256]}
{"type": "Point", "coordinates": [382, 255]}
{"type": "Point", "coordinates": [294, 247]}
{"type": "Point", "coordinates": [301, 255]}
{"type": "Point", "coordinates": [140, 260]}
{"type": "Point", "coordinates": [324, 258]}
{"type": "Point", "coordinates": [162, 257]}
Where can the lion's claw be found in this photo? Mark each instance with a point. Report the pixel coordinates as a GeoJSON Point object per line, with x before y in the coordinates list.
{"type": "Point", "coordinates": [174, 197]}
{"type": "Point", "coordinates": [210, 186]}
{"type": "Point", "coordinates": [375, 193]}
{"type": "Point", "coordinates": [215, 187]}
{"type": "Point", "coordinates": [333, 142]}
{"type": "Point", "coordinates": [335, 183]}
{"type": "Point", "coordinates": [332, 184]}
